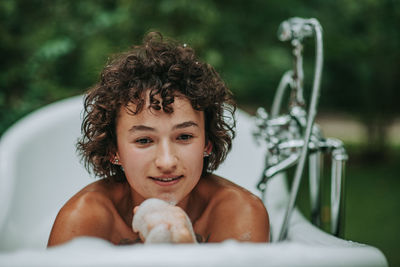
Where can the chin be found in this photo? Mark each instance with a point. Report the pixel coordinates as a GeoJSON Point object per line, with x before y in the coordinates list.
{"type": "Point", "coordinates": [169, 197]}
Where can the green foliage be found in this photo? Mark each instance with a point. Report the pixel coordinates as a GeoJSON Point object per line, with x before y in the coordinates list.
{"type": "Point", "coordinates": [55, 49]}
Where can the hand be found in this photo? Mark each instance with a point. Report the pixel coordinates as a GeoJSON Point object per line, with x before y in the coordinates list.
{"type": "Point", "coordinates": [160, 222]}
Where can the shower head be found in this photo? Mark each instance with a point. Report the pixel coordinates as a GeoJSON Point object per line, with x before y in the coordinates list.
{"type": "Point", "coordinates": [295, 28]}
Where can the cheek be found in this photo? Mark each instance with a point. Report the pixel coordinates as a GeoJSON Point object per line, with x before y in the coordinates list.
{"type": "Point", "coordinates": [193, 158]}
{"type": "Point", "coordinates": [136, 167]}
{"type": "Point", "coordinates": [134, 161]}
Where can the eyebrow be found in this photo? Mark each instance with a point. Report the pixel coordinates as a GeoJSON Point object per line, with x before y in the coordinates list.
{"type": "Point", "coordinates": [185, 124]}
{"type": "Point", "coordinates": [135, 128]}
{"type": "Point", "coordinates": [182, 125]}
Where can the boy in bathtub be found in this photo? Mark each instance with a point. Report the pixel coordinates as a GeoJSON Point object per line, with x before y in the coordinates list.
{"type": "Point", "coordinates": [155, 127]}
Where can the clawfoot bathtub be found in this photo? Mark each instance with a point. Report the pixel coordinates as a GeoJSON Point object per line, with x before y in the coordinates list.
{"type": "Point", "coordinates": [40, 171]}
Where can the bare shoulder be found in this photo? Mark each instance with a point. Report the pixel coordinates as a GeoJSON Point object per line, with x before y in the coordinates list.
{"type": "Point", "coordinates": [81, 215]}
{"type": "Point", "coordinates": [225, 192]}
{"type": "Point", "coordinates": [235, 212]}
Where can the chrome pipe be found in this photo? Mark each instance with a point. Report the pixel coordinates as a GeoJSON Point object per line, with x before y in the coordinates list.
{"type": "Point", "coordinates": [287, 79]}
{"type": "Point", "coordinates": [339, 158]}
{"type": "Point", "coordinates": [315, 170]}
{"type": "Point", "coordinates": [297, 98]}
{"type": "Point", "coordinates": [282, 165]}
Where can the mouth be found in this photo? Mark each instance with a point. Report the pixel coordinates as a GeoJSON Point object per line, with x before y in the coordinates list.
{"type": "Point", "coordinates": [166, 180]}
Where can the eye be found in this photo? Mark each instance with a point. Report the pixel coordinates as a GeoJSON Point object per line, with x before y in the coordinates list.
{"type": "Point", "coordinates": [143, 141]}
{"type": "Point", "coordinates": [185, 137]}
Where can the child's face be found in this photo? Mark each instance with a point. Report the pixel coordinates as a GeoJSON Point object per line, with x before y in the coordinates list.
{"type": "Point", "coordinates": [162, 154]}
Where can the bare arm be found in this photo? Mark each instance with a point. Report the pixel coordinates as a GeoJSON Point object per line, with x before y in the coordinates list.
{"type": "Point", "coordinates": [238, 215]}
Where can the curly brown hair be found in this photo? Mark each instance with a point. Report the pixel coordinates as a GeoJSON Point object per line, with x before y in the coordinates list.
{"type": "Point", "coordinates": [165, 69]}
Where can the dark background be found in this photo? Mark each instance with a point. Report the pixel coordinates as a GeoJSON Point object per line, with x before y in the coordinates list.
{"type": "Point", "coordinates": [55, 49]}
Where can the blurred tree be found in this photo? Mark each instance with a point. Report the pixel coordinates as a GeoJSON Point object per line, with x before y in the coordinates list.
{"type": "Point", "coordinates": [363, 63]}
{"type": "Point", "coordinates": [55, 49]}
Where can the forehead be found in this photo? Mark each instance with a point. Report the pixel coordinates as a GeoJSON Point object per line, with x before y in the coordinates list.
{"type": "Point", "coordinates": [182, 112]}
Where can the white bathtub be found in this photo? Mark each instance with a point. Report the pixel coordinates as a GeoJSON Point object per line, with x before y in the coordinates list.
{"type": "Point", "coordinates": [40, 171]}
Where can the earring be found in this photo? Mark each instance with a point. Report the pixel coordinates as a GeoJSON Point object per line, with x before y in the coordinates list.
{"type": "Point", "coordinates": [116, 160]}
{"type": "Point", "coordinates": [205, 154]}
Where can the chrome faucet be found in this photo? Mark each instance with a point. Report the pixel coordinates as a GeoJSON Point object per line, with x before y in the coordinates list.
{"type": "Point", "coordinates": [290, 138]}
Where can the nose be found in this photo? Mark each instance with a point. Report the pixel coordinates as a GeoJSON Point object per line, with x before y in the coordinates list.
{"type": "Point", "coordinates": [166, 159]}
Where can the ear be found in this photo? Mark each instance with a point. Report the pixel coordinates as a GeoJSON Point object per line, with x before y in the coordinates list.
{"type": "Point", "coordinates": [114, 159]}
{"type": "Point", "coordinates": [208, 148]}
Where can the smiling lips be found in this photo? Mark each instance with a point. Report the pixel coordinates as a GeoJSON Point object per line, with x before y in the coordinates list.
{"type": "Point", "coordinates": [170, 180]}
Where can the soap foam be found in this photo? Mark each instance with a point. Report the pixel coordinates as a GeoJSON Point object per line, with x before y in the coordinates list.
{"type": "Point", "coordinates": [155, 214]}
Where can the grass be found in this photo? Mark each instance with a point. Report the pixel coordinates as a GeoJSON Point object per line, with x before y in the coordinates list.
{"type": "Point", "coordinates": [372, 201]}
